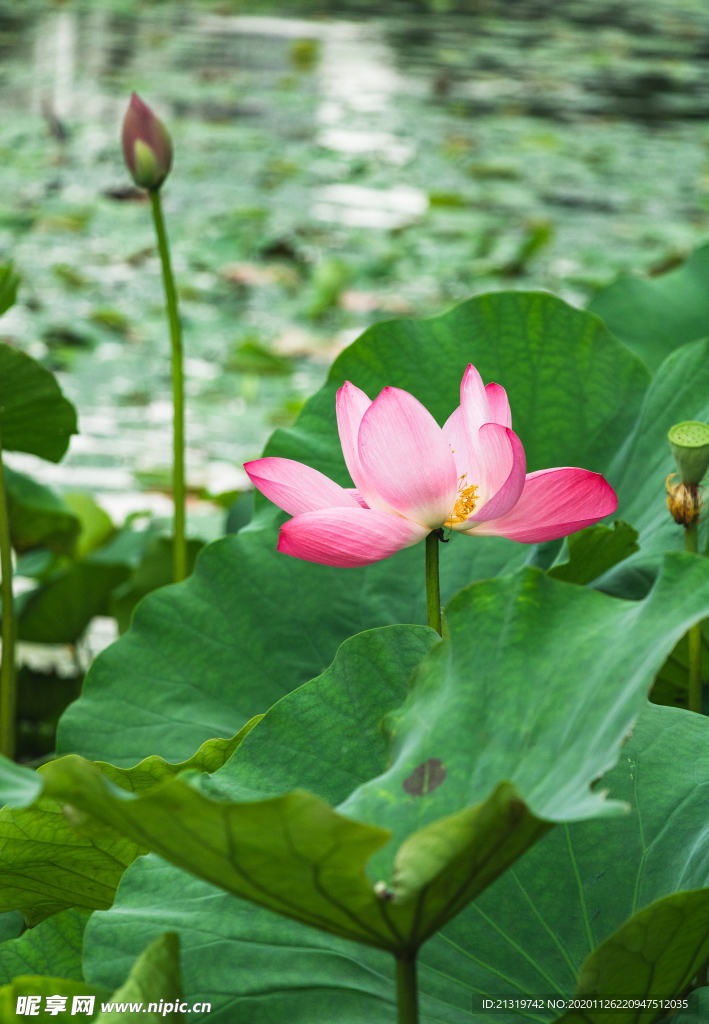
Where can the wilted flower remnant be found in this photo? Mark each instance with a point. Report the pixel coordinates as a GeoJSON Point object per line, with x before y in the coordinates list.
{"type": "Point", "coordinates": [689, 442]}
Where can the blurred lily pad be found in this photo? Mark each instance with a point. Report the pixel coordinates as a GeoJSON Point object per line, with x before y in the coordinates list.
{"type": "Point", "coordinates": [9, 282]}
{"type": "Point", "coordinates": [654, 316]}
{"type": "Point", "coordinates": [251, 356]}
{"type": "Point", "coordinates": [39, 518]}
{"type": "Point", "coordinates": [112, 319]}
{"type": "Point", "coordinates": [35, 416]}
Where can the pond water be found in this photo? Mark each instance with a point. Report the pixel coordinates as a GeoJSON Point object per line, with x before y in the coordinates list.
{"type": "Point", "coordinates": [330, 171]}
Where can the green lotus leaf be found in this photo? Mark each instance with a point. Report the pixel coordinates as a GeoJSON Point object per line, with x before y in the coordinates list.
{"type": "Point", "coordinates": [526, 935]}
{"type": "Point", "coordinates": [588, 554]}
{"type": "Point", "coordinates": [46, 865]}
{"type": "Point", "coordinates": [478, 772]}
{"type": "Point", "coordinates": [156, 569]}
{"type": "Point", "coordinates": [38, 516]}
{"type": "Point", "coordinates": [60, 611]}
{"type": "Point", "coordinates": [655, 955]}
{"type": "Point", "coordinates": [678, 392]}
{"type": "Point", "coordinates": [35, 416]}
{"type": "Point", "coordinates": [9, 282]}
{"type": "Point", "coordinates": [155, 978]}
{"type": "Point", "coordinates": [43, 986]}
{"type": "Point", "coordinates": [53, 948]}
{"type": "Point", "coordinates": [11, 925]}
{"type": "Point", "coordinates": [698, 1010]}
{"type": "Point", "coordinates": [671, 686]}
{"type": "Point", "coordinates": [252, 624]}
{"type": "Point", "coordinates": [574, 390]}
{"type": "Point", "coordinates": [152, 986]}
{"type": "Point", "coordinates": [653, 316]}
{"type": "Point", "coordinates": [96, 525]}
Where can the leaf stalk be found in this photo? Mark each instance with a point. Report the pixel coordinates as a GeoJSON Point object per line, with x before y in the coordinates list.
{"type": "Point", "coordinates": [694, 636]}
{"type": "Point", "coordinates": [8, 684]}
{"type": "Point", "coordinates": [407, 989]}
{"type": "Point", "coordinates": [178, 393]}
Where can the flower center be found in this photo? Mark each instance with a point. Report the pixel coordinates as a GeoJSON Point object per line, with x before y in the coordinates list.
{"type": "Point", "coordinates": [467, 499]}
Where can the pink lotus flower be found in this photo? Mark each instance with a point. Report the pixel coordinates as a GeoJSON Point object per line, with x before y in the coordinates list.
{"type": "Point", "coordinates": [413, 477]}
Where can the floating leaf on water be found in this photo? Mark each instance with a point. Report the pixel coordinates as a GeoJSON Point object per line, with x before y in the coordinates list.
{"type": "Point", "coordinates": [112, 319]}
{"type": "Point", "coordinates": [252, 356]}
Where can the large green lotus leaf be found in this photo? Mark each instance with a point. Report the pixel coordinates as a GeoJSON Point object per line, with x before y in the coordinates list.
{"type": "Point", "coordinates": [654, 955]}
{"type": "Point", "coordinates": [573, 389]}
{"type": "Point", "coordinates": [252, 624]}
{"type": "Point", "coordinates": [203, 657]}
{"type": "Point", "coordinates": [293, 748]}
{"type": "Point", "coordinates": [473, 721]}
{"type": "Point", "coordinates": [153, 989]}
{"type": "Point", "coordinates": [45, 986]}
{"type": "Point", "coordinates": [679, 391]}
{"type": "Point", "coordinates": [527, 935]}
{"type": "Point", "coordinates": [35, 416]}
{"type": "Point", "coordinates": [655, 315]}
{"type": "Point", "coordinates": [384, 659]}
{"type": "Point", "coordinates": [478, 770]}
{"type": "Point", "coordinates": [47, 866]}
{"type": "Point", "coordinates": [53, 948]}
{"type": "Point", "coordinates": [12, 925]}
{"type": "Point", "coordinates": [38, 516]}
{"type": "Point", "coordinates": [698, 1010]}
{"type": "Point", "coordinates": [368, 678]}
{"type": "Point", "coordinates": [155, 978]}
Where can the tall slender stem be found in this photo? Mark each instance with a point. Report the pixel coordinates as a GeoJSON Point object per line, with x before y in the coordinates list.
{"type": "Point", "coordinates": [433, 584]}
{"type": "Point", "coordinates": [178, 396]}
{"type": "Point", "coordinates": [407, 999]}
{"type": "Point", "coordinates": [694, 636]}
{"type": "Point", "coordinates": [8, 689]}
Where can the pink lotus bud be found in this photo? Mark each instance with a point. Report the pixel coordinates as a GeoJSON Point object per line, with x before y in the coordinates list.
{"type": "Point", "coordinates": [147, 146]}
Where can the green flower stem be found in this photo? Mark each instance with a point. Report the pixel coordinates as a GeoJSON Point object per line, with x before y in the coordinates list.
{"type": "Point", "coordinates": [178, 395]}
{"type": "Point", "coordinates": [433, 583]}
{"type": "Point", "coordinates": [407, 999]}
{"type": "Point", "coordinates": [8, 687]}
{"type": "Point", "coordinates": [694, 636]}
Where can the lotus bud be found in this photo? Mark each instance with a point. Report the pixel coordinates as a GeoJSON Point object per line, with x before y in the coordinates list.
{"type": "Point", "coordinates": [689, 442]}
{"type": "Point", "coordinates": [147, 146]}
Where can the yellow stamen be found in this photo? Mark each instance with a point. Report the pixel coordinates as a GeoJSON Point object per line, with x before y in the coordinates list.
{"type": "Point", "coordinates": [465, 505]}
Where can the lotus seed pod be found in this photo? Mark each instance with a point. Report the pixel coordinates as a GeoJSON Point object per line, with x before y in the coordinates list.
{"type": "Point", "coordinates": [689, 442]}
{"type": "Point", "coordinates": [147, 146]}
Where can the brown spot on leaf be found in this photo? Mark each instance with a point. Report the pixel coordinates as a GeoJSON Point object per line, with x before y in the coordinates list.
{"type": "Point", "coordinates": [427, 777]}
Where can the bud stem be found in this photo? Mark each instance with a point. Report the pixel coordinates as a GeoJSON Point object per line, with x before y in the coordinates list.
{"type": "Point", "coordinates": [694, 636]}
{"type": "Point", "coordinates": [178, 399]}
{"type": "Point", "coordinates": [8, 680]}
